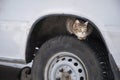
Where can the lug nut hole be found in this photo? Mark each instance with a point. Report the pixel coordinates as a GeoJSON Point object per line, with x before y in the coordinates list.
{"type": "Point", "coordinates": [76, 64]}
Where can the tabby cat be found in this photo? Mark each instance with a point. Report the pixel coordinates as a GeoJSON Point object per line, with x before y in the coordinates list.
{"type": "Point", "coordinates": [80, 29]}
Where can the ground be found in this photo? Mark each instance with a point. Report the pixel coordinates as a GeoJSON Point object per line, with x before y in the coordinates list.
{"type": "Point", "coordinates": [9, 73]}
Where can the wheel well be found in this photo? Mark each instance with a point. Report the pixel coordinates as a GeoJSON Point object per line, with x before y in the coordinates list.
{"type": "Point", "coordinates": [55, 25]}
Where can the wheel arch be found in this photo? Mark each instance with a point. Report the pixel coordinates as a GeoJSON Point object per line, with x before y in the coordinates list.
{"type": "Point", "coordinates": [29, 55]}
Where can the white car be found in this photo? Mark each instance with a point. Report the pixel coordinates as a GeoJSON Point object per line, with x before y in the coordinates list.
{"type": "Point", "coordinates": [35, 30]}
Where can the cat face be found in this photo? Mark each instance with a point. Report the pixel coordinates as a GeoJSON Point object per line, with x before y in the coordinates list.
{"type": "Point", "coordinates": [80, 28]}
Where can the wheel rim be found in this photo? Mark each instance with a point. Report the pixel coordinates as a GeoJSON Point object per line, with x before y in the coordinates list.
{"type": "Point", "coordinates": [65, 66]}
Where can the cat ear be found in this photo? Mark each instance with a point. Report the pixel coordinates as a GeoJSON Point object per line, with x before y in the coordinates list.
{"type": "Point", "coordinates": [86, 23]}
{"type": "Point", "coordinates": [77, 21]}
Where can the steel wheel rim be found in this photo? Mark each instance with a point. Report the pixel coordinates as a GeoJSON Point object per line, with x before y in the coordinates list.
{"type": "Point", "coordinates": [66, 66]}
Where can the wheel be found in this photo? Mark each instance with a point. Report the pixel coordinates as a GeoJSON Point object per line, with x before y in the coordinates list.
{"type": "Point", "coordinates": [66, 58]}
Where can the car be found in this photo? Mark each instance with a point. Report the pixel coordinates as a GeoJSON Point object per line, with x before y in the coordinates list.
{"type": "Point", "coordinates": [35, 31]}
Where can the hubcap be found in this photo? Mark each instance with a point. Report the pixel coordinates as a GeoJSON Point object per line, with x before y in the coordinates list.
{"type": "Point", "coordinates": [65, 66]}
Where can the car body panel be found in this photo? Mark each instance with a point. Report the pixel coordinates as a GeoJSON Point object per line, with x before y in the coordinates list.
{"type": "Point", "coordinates": [18, 16]}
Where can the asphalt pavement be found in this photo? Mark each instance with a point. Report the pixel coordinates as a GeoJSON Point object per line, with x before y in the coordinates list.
{"type": "Point", "coordinates": [9, 73]}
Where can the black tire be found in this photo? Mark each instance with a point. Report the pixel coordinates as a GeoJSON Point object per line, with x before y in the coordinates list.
{"type": "Point", "coordinates": [67, 44]}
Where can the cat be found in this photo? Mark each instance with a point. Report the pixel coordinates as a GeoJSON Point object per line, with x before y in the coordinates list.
{"type": "Point", "coordinates": [80, 29]}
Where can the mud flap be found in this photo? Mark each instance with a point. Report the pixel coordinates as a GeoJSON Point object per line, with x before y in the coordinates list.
{"type": "Point", "coordinates": [25, 73]}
